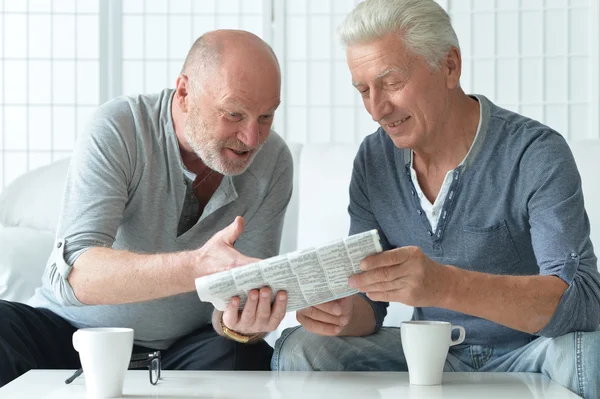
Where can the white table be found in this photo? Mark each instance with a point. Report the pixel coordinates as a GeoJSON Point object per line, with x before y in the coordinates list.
{"type": "Point", "coordinates": [229, 384]}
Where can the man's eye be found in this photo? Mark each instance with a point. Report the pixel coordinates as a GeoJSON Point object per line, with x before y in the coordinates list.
{"type": "Point", "coordinates": [234, 116]}
{"type": "Point", "coordinates": [363, 92]}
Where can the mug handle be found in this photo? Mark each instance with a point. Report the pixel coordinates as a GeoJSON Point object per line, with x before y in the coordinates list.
{"type": "Point", "coordinates": [75, 340]}
{"type": "Point", "coordinates": [461, 336]}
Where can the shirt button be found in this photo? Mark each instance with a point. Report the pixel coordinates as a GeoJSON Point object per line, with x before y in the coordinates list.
{"type": "Point", "coordinates": [433, 212]}
{"type": "Point", "coordinates": [192, 196]}
{"type": "Point", "coordinates": [573, 255]}
{"type": "Point", "coordinates": [185, 182]}
{"type": "Point", "coordinates": [420, 212]}
{"type": "Point", "coordinates": [187, 218]}
{"type": "Point", "coordinates": [429, 233]}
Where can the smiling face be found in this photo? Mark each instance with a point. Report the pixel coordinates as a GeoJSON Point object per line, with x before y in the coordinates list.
{"type": "Point", "coordinates": [400, 91]}
{"type": "Point", "coordinates": [229, 117]}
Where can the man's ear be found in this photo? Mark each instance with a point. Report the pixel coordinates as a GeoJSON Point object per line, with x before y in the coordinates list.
{"type": "Point", "coordinates": [452, 66]}
{"type": "Point", "coordinates": [182, 92]}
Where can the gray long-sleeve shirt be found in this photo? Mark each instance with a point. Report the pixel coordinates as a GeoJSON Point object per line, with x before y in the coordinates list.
{"type": "Point", "coordinates": [127, 188]}
{"type": "Point", "coordinates": [515, 207]}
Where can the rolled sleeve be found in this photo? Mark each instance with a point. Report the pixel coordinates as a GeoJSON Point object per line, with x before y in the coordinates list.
{"type": "Point", "coordinates": [58, 272]}
{"type": "Point", "coordinates": [578, 309]}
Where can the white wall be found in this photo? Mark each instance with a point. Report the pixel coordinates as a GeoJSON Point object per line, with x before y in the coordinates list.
{"type": "Point", "coordinates": [49, 68]}
{"type": "Point", "coordinates": [61, 58]}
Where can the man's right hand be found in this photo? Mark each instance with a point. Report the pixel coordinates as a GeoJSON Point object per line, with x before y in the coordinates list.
{"type": "Point", "coordinates": [329, 318]}
{"type": "Point", "coordinates": [351, 316]}
{"type": "Point", "coordinates": [218, 253]}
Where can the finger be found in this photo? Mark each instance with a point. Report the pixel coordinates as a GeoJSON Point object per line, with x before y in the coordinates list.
{"type": "Point", "coordinates": [314, 313]}
{"type": "Point", "coordinates": [249, 312]}
{"type": "Point", "coordinates": [232, 312]}
{"type": "Point", "coordinates": [347, 304]}
{"type": "Point", "coordinates": [379, 275]}
{"type": "Point", "coordinates": [278, 310]}
{"type": "Point", "coordinates": [317, 327]}
{"type": "Point", "coordinates": [395, 256]}
{"type": "Point", "coordinates": [234, 230]}
{"type": "Point", "coordinates": [384, 286]}
{"type": "Point", "coordinates": [331, 307]}
{"type": "Point", "coordinates": [388, 296]}
{"type": "Point", "coordinates": [263, 310]}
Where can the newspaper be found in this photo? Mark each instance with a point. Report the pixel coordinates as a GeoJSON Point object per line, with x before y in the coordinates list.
{"type": "Point", "coordinates": [310, 277]}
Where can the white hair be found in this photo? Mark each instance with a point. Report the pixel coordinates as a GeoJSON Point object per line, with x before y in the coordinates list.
{"type": "Point", "coordinates": [423, 25]}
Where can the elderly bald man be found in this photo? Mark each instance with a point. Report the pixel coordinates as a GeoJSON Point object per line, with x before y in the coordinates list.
{"type": "Point", "coordinates": [162, 189]}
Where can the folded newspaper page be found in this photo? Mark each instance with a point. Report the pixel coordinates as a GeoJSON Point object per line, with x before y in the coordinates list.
{"type": "Point", "coordinates": [310, 277]}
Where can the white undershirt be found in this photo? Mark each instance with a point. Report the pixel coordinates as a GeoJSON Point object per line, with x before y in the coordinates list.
{"type": "Point", "coordinates": [432, 211]}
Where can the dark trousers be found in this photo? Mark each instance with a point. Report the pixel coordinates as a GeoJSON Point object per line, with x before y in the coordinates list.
{"type": "Point", "coordinates": [32, 338]}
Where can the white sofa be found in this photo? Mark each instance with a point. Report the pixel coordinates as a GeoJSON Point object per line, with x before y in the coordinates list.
{"type": "Point", "coordinates": [29, 210]}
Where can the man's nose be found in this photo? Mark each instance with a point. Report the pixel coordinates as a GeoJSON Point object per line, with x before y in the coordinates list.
{"type": "Point", "coordinates": [249, 134]}
{"type": "Point", "coordinates": [379, 107]}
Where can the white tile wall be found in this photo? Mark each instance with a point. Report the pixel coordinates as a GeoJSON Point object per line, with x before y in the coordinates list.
{"type": "Point", "coordinates": [49, 79]}
{"type": "Point", "coordinates": [537, 57]}
{"type": "Point", "coordinates": [533, 57]}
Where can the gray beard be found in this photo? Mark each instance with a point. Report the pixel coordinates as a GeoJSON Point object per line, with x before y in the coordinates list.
{"type": "Point", "coordinates": [211, 157]}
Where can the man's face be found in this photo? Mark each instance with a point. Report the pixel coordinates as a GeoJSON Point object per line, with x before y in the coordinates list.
{"type": "Point", "coordinates": [399, 90]}
{"type": "Point", "coordinates": [230, 118]}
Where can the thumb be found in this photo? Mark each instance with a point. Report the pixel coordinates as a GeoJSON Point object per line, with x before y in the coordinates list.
{"type": "Point", "coordinates": [234, 230]}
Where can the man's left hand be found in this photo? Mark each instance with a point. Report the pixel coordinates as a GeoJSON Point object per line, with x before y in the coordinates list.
{"type": "Point", "coordinates": [258, 316]}
{"type": "Point", "coordinates": [403, 275]}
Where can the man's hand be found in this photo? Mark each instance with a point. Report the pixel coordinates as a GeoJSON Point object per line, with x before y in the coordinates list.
{"type": "Point", "coordinates": [403, 275]}
{"type": "Point", "coordinates": [218, 253]}
{"type": "Point", "coordinates": [258, 316]}
{"type": "Point", "coordinates": [328, 318]}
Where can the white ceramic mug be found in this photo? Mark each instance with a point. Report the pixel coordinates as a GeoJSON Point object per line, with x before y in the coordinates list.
{"type": "Point", "coordinates": [425, 345]}
{"type": "Point", "coordinates": [105, 354]}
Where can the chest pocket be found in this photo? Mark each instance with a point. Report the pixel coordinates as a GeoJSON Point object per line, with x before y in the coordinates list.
{"type": "Point", "coordinates": [491, 249]}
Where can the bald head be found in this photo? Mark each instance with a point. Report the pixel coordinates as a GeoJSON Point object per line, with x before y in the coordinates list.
{"type": "Point", "coordinates": [225, 99]}
{"type": "Point", "coordinates": [224, 48]}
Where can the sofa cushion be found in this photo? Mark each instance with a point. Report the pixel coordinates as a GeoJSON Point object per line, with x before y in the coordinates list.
{"type": "Point", "coordinates": [23, 255]}
{"type": "Point", "coordinates": [33, 200]}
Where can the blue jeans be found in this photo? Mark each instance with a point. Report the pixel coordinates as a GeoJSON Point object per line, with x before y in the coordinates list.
{"type": "Point", "coordinates": [572, 360]}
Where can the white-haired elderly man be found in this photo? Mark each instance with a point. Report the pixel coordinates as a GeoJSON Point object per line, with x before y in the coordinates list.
{"type": "Point", "coordinates": [480, 212]}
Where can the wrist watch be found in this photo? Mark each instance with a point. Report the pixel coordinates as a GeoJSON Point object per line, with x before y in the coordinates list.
{"type": "Point", "coordinates": [236, 336]}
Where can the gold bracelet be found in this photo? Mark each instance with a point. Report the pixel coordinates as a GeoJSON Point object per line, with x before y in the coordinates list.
{"type": "Point", "coordinates": [236, 336]}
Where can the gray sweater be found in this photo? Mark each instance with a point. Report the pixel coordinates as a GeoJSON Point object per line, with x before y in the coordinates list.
{"type": "Point", "coordinates": [515, 207]}
{"type": "Point", "coordinates": [126, 189]}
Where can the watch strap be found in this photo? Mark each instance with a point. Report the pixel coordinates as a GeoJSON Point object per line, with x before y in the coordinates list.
{"type": "Point", "coordinates": [236, 336]}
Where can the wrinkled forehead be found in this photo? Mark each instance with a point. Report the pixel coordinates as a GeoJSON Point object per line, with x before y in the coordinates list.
{"type": "Point", "coordinates": [376, 61]}
{"type": "Point", "coordinates": [245, 98]}
{"type": "Point", "coordinates": [389, 48]}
